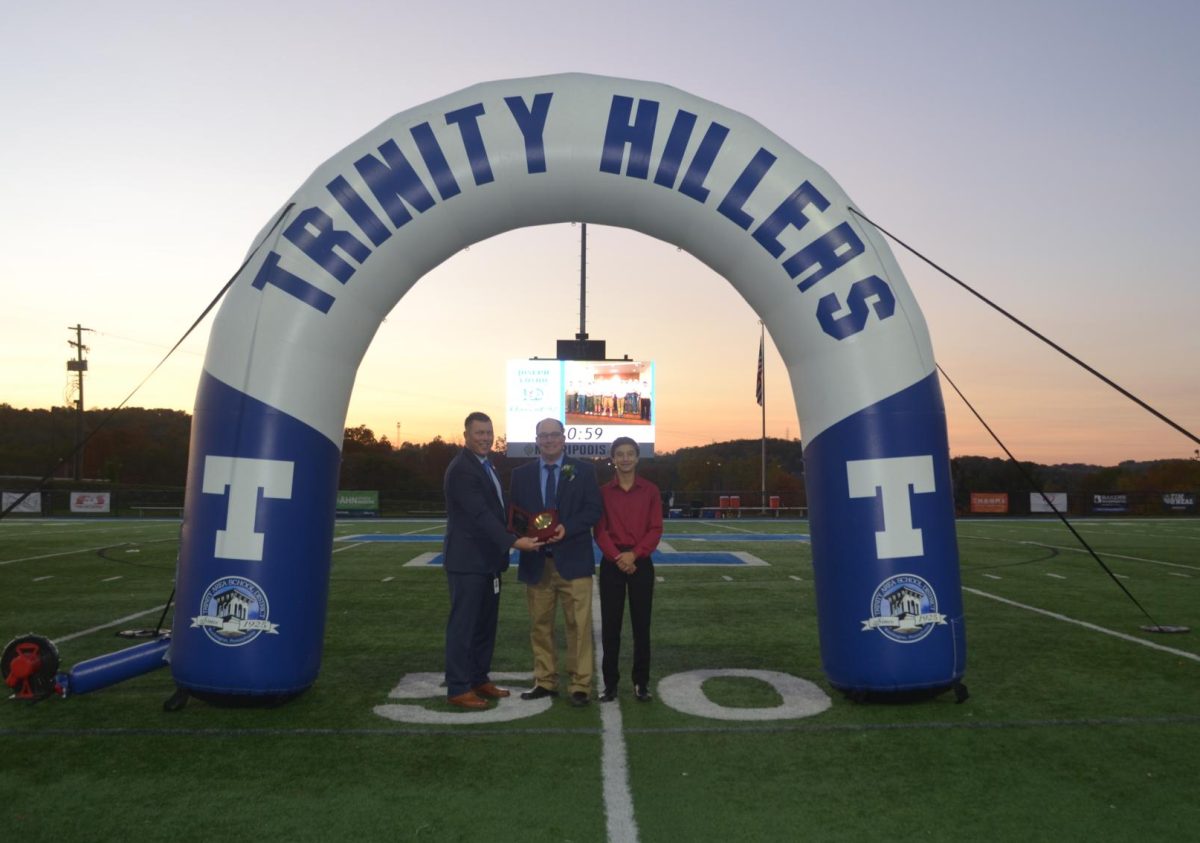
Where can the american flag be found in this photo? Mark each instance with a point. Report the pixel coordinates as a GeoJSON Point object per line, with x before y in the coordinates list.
{"type": "Point", "coordinates": [759, 386]}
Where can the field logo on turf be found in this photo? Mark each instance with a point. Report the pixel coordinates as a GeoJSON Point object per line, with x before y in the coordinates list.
{"type": "Point", "coordinates": [233, 612]}
{"type": "Point", "coordinates": [904, 609]}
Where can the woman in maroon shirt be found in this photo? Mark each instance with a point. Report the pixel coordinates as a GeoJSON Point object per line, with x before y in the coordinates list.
{"type": "Point", "coordinates": [627, 534]}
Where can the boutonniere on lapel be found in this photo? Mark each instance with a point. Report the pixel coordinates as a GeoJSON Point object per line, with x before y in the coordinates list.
{"type": "Point", "coordinates": [568, 472]}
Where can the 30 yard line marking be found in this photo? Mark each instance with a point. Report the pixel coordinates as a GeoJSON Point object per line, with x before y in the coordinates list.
{"type": "Point", "coordinates": [1056, 576]}
{"type": "Point", "coordinates": [113, 579]}
{"type": "Point", "coordinates": [618, 801]}
{"type": "Point", "coordinates": [1086, 625]}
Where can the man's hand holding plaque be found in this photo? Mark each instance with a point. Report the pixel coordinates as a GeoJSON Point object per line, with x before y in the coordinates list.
{"type": "Point", "coordinates": [542, 526]}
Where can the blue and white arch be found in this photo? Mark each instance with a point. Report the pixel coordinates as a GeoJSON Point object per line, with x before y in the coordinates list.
{"type": "Point", "coordinates": [376, 217]}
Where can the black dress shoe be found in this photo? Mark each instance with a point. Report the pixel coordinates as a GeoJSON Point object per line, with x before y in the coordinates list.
{"type": "Point", "coordinates": [537, 692]}
{"type": "Point", "coordinates": [642, 693]}
{"type": "Point", "coordinates": [609, 695]}
{"type": "Point", "coordinates": [579, 699]}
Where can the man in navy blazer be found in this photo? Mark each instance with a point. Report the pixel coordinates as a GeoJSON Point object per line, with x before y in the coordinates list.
{"type": "Point", "coordinates": [474, 554]}
{"type": "Point", "coordinates": [562, 569]}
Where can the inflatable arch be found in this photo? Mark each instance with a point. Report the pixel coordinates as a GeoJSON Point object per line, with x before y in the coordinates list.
{"type": "Point", "coordinates": [253, 573]}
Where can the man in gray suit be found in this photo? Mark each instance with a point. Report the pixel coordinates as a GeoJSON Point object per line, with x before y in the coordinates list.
{"type": "Point", "coordinates": [475, 554]}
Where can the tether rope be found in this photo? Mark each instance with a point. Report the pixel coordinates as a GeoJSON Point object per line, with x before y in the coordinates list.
{"type": "Point", "coordinates": [1040, 336]}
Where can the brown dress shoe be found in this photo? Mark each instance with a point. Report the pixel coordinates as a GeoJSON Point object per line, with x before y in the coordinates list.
{"type": "Point", "coordinates": [490, 689]}
{"type": "Point", "coordinates": [467, 700]}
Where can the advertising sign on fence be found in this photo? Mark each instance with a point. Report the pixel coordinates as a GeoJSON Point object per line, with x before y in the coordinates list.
{"type": "Point", "coordinates": [1110, 502]}
{"type": "Point", "coordinates": [357, 503]}
{"type": "Point", "coordinates": [91, 501]}
{"type": "Point", "coordinates": [989, 502]}
{"type": "Point", "coordinates": [1038, 504]}
{"type": "Point", "coordinates": [31, 504]}
{"type": "Point", "coordinates": [1179, 501]}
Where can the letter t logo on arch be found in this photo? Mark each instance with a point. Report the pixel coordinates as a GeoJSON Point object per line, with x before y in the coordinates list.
{"type": "Point", "coordinates": [243, 477]}
{"type": "Point", "coordinates": [892, 477]}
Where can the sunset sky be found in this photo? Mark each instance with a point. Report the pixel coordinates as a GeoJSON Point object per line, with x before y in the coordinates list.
{"type": "Point", "coordinates": [1044, 152]}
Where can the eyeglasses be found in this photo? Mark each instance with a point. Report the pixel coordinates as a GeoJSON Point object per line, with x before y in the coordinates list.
{"type": "Point", "coordinates": [552, 435]}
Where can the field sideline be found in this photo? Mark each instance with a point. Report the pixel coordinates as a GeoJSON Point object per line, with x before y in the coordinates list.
{"type": "Point", "coordinates": [1080, 725]}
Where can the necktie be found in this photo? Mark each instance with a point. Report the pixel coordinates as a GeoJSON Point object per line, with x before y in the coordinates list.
{"type": "Point", "coordinates": [551, 496]}
{"type": "Point", "coordinates": [491, 470]}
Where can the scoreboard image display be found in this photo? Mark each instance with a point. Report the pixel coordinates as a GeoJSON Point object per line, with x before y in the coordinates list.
{"type": "Point", "coordinates": [596, 400]}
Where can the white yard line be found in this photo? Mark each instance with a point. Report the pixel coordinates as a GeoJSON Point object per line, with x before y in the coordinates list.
{"type": "Point", "coordinates": [425, 529]}
{"type": "Point", "coordinates": [1102, 553]}
{"type": "Point", "coordinates": [618, 801]}
{"type": "Point", "coordinates": [123, 528]}
{"type": "Point", "coordinates": [117, 622]}
{"type": "Point", "coordinates": [53, 555]}
{"type": "Point", "coordinates": [348, 546]}
{"type": "Point", "coordinates": [731, 527]}
{"type": "Point", "coordinates": [1086, 625]}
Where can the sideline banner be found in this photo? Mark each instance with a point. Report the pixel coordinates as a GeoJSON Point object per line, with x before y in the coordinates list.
{"type": "Point", "coordinates": [357, 503]}
{"type": "Point", "coordinates": [1038, 504]}
{"type": "Point", "coordinates": [32, 505]}
{"type": "Point", "coordinates": [91, 501]}
{"type": "Point", "coordinates": [1110, 502]}
{"type": "Point", "coordinates": [989, 502]}
{"type": "Point", "coordinates": [1179, 501]}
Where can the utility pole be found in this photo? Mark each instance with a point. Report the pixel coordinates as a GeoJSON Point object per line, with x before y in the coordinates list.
{"type": "Point", "coordinates": [79, 366]}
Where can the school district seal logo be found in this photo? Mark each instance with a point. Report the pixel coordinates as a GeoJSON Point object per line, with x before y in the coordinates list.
{"type": "Point", "coordinates": [904, 609]}
{"type": "Point", "coordinates": [233, 612]}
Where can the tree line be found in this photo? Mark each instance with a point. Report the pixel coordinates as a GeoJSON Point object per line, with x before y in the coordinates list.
{"type": "Point", "coordinates": [149, 448]}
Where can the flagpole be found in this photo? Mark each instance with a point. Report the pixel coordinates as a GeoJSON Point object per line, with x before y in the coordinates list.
{"type": "Point", "coordinates": [762, 378]}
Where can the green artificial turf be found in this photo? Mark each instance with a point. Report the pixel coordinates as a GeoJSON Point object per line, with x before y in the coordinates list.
{"type": "Point", "coordinates": [1070, 733]}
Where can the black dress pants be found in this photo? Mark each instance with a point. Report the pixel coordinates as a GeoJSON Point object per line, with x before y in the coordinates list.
{"type": "Point", "coordinates": [614, 586]}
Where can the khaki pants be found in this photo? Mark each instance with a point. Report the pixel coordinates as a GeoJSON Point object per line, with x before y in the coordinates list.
{"type": "Point", "coordinates": [543, 599]}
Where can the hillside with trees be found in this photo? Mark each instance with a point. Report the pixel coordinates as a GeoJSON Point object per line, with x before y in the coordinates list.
{"type": "Point", "coordinates": [148, 448]}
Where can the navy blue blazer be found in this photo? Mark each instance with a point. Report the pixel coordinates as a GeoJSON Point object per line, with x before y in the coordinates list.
{"type": "Point", "coordinates": [477, 538]}
{"type": "Point", "coordinates": [579, 508]}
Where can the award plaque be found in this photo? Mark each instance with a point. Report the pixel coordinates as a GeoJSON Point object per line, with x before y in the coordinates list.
{"type": "Point", "coordinates": [541, 526]}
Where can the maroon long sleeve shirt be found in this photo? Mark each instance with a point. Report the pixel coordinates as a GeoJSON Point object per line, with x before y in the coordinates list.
{"type": "Point", "coordinates": [632, 519]}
